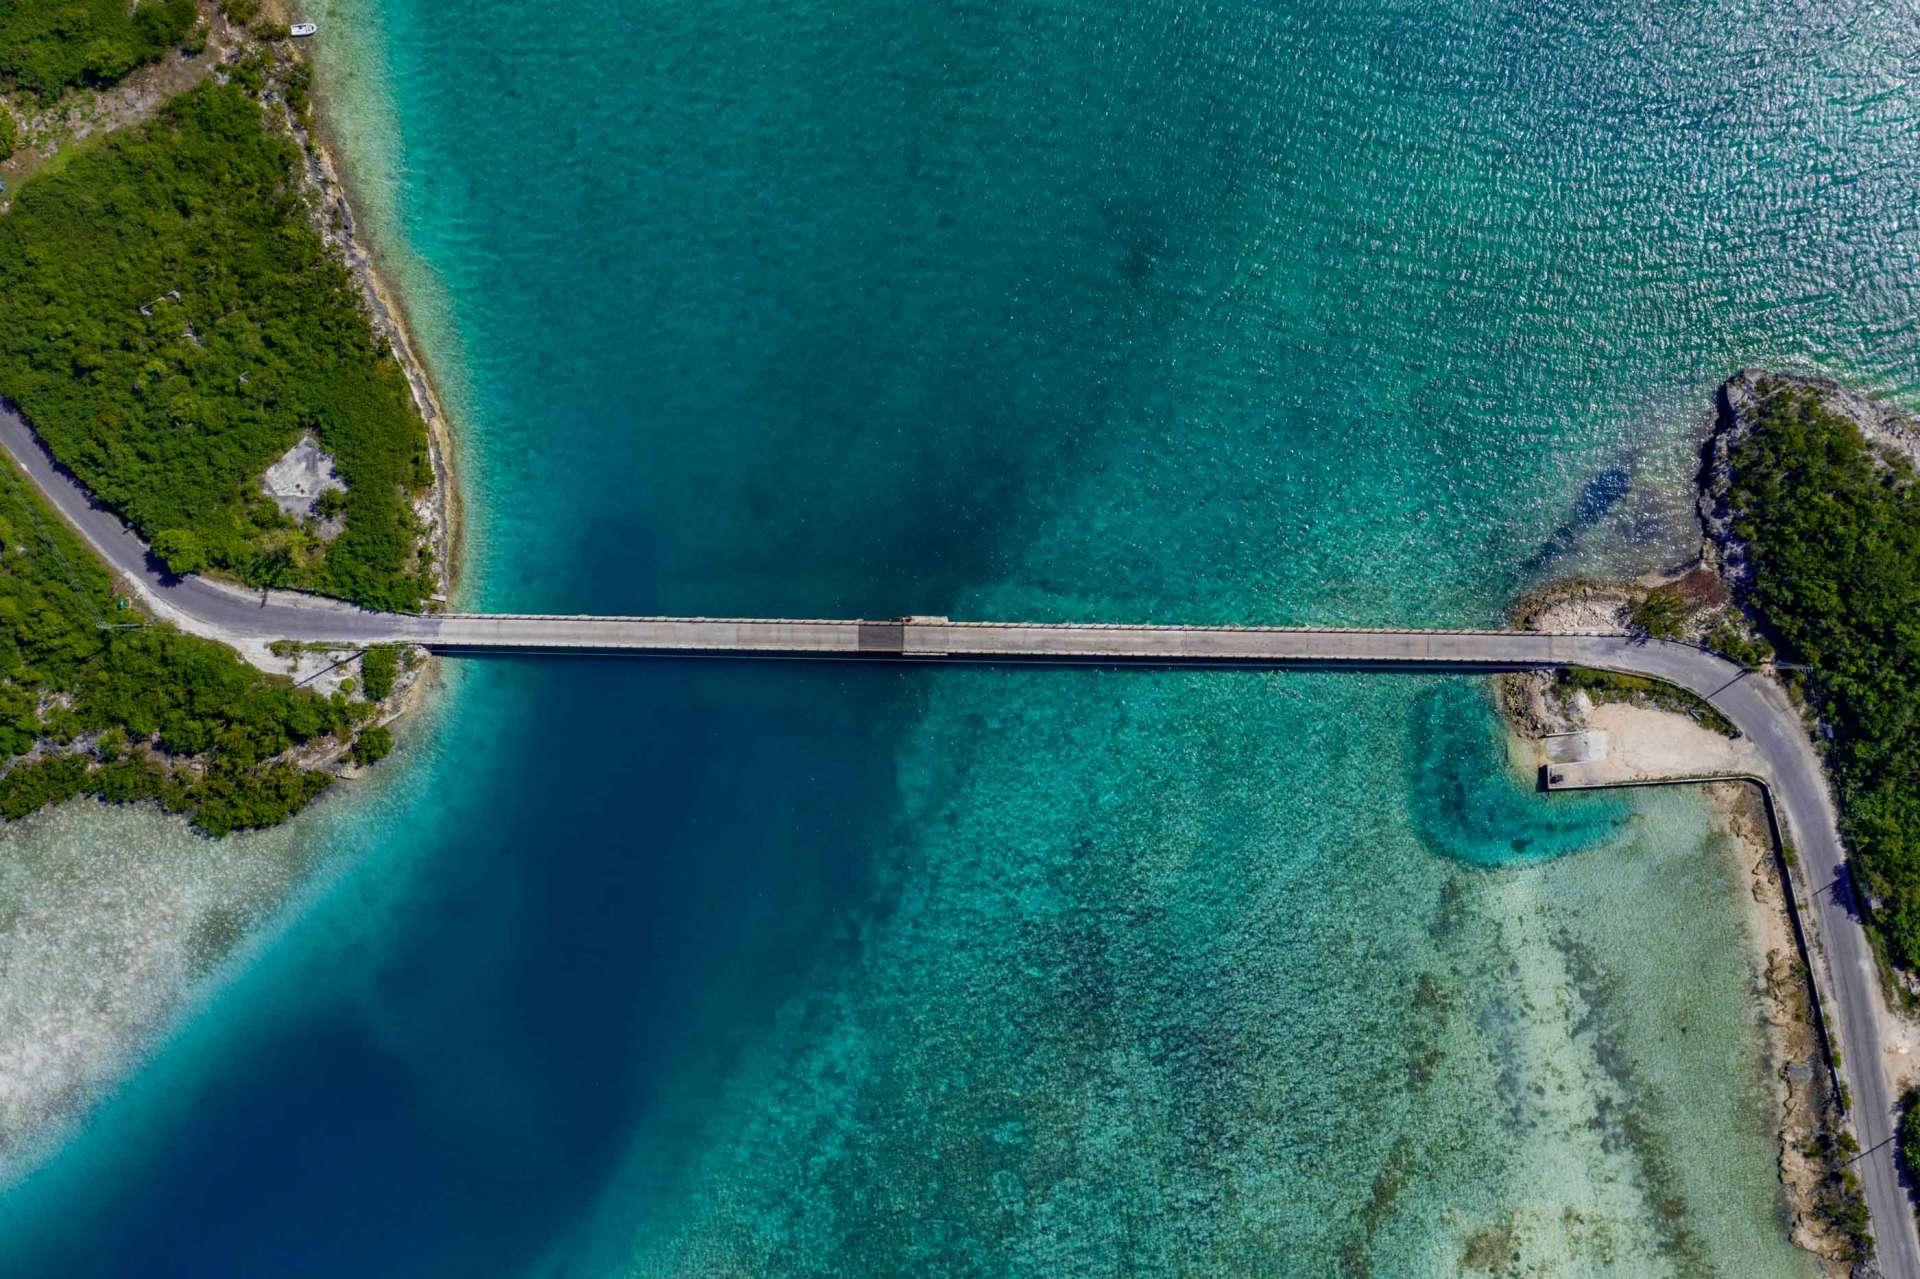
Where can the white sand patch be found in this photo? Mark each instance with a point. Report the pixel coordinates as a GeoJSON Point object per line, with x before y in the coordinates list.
{"type": "Point", "coordinates": [1644, 742]}
{"type": "Point", "coordinates": [1616, 742]}
{"type": "Point", "coordinates": [109, 919]}
{"type": "Point", "coordinates": [325, 671]}
{"type": "Point", "coordinates": [297, 480]}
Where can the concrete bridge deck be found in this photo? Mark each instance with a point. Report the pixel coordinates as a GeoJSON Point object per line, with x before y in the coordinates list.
{"type": "Point", "coordinates": [941, 639]}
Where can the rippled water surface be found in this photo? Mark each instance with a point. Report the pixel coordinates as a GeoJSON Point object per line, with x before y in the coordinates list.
{"type": "Point", "coordinates": [1352, 313]}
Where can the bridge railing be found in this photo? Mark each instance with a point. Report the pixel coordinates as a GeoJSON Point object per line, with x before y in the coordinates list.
{"type": "Point", "coordinates": [1168, 627]}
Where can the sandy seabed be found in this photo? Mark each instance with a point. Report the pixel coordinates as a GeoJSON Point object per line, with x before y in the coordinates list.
{"type": "Point", "coordinates": [109, 918]}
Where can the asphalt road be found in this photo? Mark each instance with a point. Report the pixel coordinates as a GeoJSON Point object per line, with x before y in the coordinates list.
{"type": "Point", "coordinates": [1755, 704]}
{"type": "Point", "coordinates": [212, 609]}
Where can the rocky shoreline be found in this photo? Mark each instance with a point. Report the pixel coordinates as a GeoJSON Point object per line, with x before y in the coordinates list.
{"type": "Point", "coordinates": [1735, 406]}
{"type": "Point", "coordinates": [333, 219]}
{"type": "Point", "coordinates": [1702, 604]}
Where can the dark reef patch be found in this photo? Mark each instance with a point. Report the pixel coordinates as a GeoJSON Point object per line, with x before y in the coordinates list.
{"type": "Point", "coordinates": [1468, 806]}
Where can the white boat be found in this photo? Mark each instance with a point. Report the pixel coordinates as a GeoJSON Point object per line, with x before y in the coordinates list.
{"type": "Point", "coordinates": [302, 29]}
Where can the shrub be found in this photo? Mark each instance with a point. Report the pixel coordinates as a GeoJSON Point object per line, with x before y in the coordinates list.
{"type": "Point", "coordinates": [1660, 613]}
{"type": "Point", "coordinates": [1910, 1133]}
{"type": "Point", "coordinates": [225, 802]}
{"type": "Point", "coordinates": [1838, 1199]}
{"type": "Point", "coordinates": [373, 744]}
{"type": "Point", "coordinates": [47, 46]}
{"type": "Point", "coordinates": [181, 550]}
{"type": "Point", "coordinates": [45, 781]}
{"type": "Point", "coordinates": [1611, 686]}
{"type": "Point", "coordinates": [377, 670]}
{"type": "Point", "coordinates": [1734, 645]}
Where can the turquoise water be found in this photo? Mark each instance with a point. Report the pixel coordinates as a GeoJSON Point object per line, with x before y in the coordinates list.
{"type": "Point", "coordinates": [1160, 312]}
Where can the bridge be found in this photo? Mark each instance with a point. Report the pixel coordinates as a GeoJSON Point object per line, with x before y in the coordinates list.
{"type": "Point", "coordinates": [1847, 982]}
{"type": "Point", "coordinates": [937, 639]}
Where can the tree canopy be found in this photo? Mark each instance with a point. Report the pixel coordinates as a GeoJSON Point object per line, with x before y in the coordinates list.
{"type": "Point", "coordinates": [1834, 531]}
{"type": "Point", "coordinates": [50, 45]}
{"type": "Point", "coordinates": [73, 665]}
{"type": "Point", "coordinates": [171, 323]}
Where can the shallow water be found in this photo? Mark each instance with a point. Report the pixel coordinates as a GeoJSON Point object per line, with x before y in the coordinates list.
{"type": "Point", "coordinates": [1354, 313]}
{"type": "Point", "coordinates": [109, 919]}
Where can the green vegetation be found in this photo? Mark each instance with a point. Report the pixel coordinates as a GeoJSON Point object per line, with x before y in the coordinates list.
{"type": "Point", "coordinates": [154, 698]}
{"type": "Point", "coordinates": [378, 667]}
{"type": "Point", "coordinates": [1909, 1137]}
{"type": "Point", "coordinates": [1736, 645]}
{"type": "Point", "coordinates": [181, 550]}
{"type": "Point", "coordinates": [373, 745]}
{"type": "Point", "coordinates": [50, 45]}
{"type": "Point", "coordinates": [171, 324]}
{"type": "Point", "coordinates": [1607, 686]}
{"type": "Point", "coordinates": [9, 132]}
{"type": "Point", "coordinates": [1838, 1198]}
{"type": "Point", "coordinates": [1661, 613]}
{"type": "Point", "coordinates": [1834, 536]}
{"type": "Point", "coordinates": [1910, 1133]}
